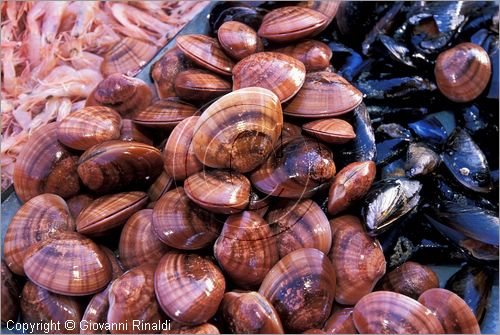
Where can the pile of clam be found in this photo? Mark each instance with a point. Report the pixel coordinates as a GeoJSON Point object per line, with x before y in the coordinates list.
{"type": "Point", "coordinates": [239, 194]}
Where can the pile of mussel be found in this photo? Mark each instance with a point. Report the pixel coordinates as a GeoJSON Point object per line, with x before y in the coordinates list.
{"type": "Point", "coordinates": [270, 182]}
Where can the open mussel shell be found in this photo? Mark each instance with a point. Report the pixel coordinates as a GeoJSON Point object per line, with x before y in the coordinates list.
{"type": "Point", "coordinates": [206, 52]}
{"type": "Point", "coordinates": [113, 165]}
{"type": "Point", "coordinates": [250, 313]}
{"type": "Point", "coordinates": [164, 113]}
{"type": "Point", "coordinates": [122, 93]}
{"type": "Point", "coordinates": [463, 72]}
{"type": "Point", "coordinates": [387, 201]}
{"type": "Point", "coordinates": [45, 166]}
{"type": "Point", "coordinates": [219, 191]}
{"type": "Point", "coordinates": [301, 224]}
{"type": "Point", "coordinates": [324, 94]}
{"type": "Point", "coordinates": [301, 287]}
{"type": "Point", "coordinates": [385, 312]}
{"type": "Point", "coordinates": [179, 159]}
{"type": "Point", "coordinates": [473, 284]}
{"type": "Point", "coordinates": [109, 211]}
{"type": "Point", "coordinates": [453, 313]}
{"type": "Point", "coordinates": [132, 297]}
{"type": "Point", "coordinates": [96, 312]}
{"type": "Point", "coordinates": [189, 288]}
{"type": "Point", "coordinates": [297, 169]}
{"type": "Point", "coordinates": [315, 55]}
{"type": "Point", "coordinates": [180, 223]}
{"type": "Point", "coordinates": [164, 71]}
{"type": "Point", "coordinates": [420, 160]}
{"type": "Point", "coordinates": [200, 85]}
{"type": "Point", "coordinates": [127, 56]}
{"type": "Point", "coordinates": [357, 258]}
{"type": "Point", "coordinates": [277, 72]}
{"type": "Point", "coordinates": [246, 249]}
{"type": "Point", "coordinates": [138, 242]}
{"type": "Point", "coordinates": [340, 322]}
{"type": "Point", "coordinates": [410, 278]}
{"type": "Point", "coordinates": [350, 185]}
{"type": "Point", "coordinates": [334, 131]}
{"type": "Point", "coordinates": [286, 24]}
{"type": "Point", "coordinates": [466, 162]}
{"type": "Point", "coordinates": [239, 130]}
{"type": "Point", "coordinates": [238, 39]}
{"type": "Point", "coordinates": [38, 219]}
{"type": "Point", "coordinates": [10, 296]}
{"type": "Point", "coordinates": [68, 264]}
{"type": "Point", "coordinates": [89, 126]}
{"type": "Point", "coordinates": [41, 306]}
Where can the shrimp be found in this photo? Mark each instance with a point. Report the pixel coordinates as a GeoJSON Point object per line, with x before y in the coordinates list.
{"type": "Point", "coordinates": [34, 32]}
{"type": "Point", "coordinates": [55, 108]}
{"type": "Point", "coordinates": [85, 13]}
{"type": "Point", "coordinates": [87, 60]}
{"type": "Point", "coordinates": [121, 13]}
{"type": "Point", "coordinates": [52, 18]}
{"type": "Point", "coordinates": [8, 70]}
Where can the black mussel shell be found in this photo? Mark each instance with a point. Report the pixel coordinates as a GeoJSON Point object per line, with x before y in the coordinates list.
{"type": "Point", "coordinates": [394, 169]}
{"type": "Point", "coordinates": [402, 88]}
{"type": "Point", "coordinates": [434, 128]}
{"type": "Point", "coordinates": [387, 201]}
{"type": "Point", "coordinates": [421, 160]}
{"type": "Point", "coordinates": [473, 284]}
{"type": "Point", "coordinates": [347, 61]}
{"type": "Point", "coordinates": [388, 114]}
{"type": "Point", "coordinates": [396, 50]}
{"type": "Point", "coordinates": [393, 130]}
{"type": "Point", "coordinates": [466, 162]}
{"type": "Point", "coordinates": [389, 150]}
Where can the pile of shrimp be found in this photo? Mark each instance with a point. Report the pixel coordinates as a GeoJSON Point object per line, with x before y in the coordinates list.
{"type": "Point", "coordinates": [52, 53]}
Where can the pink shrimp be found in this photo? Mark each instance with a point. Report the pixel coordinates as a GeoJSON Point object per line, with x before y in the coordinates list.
{"type": "Point", "coordinates": [86, 60]}
{"type": "Point", "coordinates": [52, 20]}
{"type": "Point", "coordinates": [85, 13]}
{"type": "Point", "coordinates": [127, 27]}
{"type": "Point", "coordinates": [8, 70]}
{"type": "Point", "coordinates": [34, 35]}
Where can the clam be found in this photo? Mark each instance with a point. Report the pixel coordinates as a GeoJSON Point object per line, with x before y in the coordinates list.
{"type": "Point", "coordinates": [78, 203]}
{"type": "Point", "coordinates": [38, 219]}
{"type": "Point", "coordinates": [315, 55]}
{"type": "Point", "coordinates": [161, 185]}
{"type": "Point", "coordinates": [122, 93]}
{"type": "Point", "coordinates": [350, 185]}
{"type": "Point", "coordinates": [109, 211]}
{"type": "Point", "coordinates": [89, 126]}
{"type": "Point", "coordinates": [277, 72]}
{"type": "Point", "coordinates": [41, 306]}
{"type": "Point", "coordinates": [132, 132]}
{"type": "Point", "coordinates": [324, 94]}
{"type": "Point", "coordinates": [238, 40]}
{"type": "Point", "coordinates": [251, 16]}
{"type": "Point", "coordinates": [206, 52]}
{"type": "Point", "coordinates": [327, 8]}
{"type": "Point", "coordinates": [164, 113]}
{"type": "Point", "coordinates": [164, 71]}
{"type": "Point", "coordinates": [250, 313]}
{"type": "Point", "coordinates": [179, 159]}
{"type": "Point", "coordinates": [200, 85]}
{"type": "Point", "coordinates": [258, 203]}
{"type": "Point", "coordinates": [246, 249]}
{"type": "Point", "coordinates": [288, 133]}
{"type": "Point", "coordinates": [453, 313]}
{"type": "Point", "coordinates": [181, 224]}
{"type": "Point", "coordinates": [340, 322]}
{"type": "Point", "coordinates": [127, 56]}
{"type": "Point", "coordinates": [357, 258]}
{"type": "Point", "coordinates": [96, 313]}
{"type": "Point", "coordinates": [466, 162]}
{"type": "Point", "coordinates": [393, 313]}
{"type": "Point", "coordinates": [132, 297]}
{"type": "Point", "coordinates": [239, 130]}
{"type": "Point", "coordinates": [301, 287]}
{"type": "Point", "coordinates": [204, 328]}
{"type": "Point", "coordinates": [114, 165]}
{"type": "Point", "coordinates": [410, 278]}
{"type": "Point", "coordinates": [420, 160]}
{"type": "Point", "coordinates": [116, 264]}
{"type": "Point", "coordinates": [387, 201]}
{"type": "Point", "coordinates": [189, 288]}
{"type": "Point", "coordinates": [219, 191]}
{"type": "Point", "coordinates": [138, 242]}
{"type": "Point", "coordinates": [296, 170]}
{"type": "Point", "coordinates": [291, 23]}
{"type": "Point", "coordinates": [334, 131]}
{"type": "Point", "coordinates": [68, 264]}
{"type": "Point", "coordinates": [10, 296]}
{"type": "Point", "coordinates": [45, 166]}
{"type": "Point", "coordinates": [301, 224]}
{"type": "Point", "coordinates": [463, 72]}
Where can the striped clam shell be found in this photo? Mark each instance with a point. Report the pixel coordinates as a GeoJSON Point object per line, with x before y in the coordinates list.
{"type": "Point", "coordinates": [38, 219]}
{"type": "Point", "coordinates": [134, 133]}
{"type": "Point", "coordinates": [96, 312]}
{"type": "Point", "coordinates": [127, 56]}
{"type": "Point", "coordinates": [189, 288]}
{"type": "Point", "coordinates": [109, 211]}
{"type": "Point", "coordinates": [315, 55]}
{"type": "Point", "coordinates": [299, 225]}
{"type": "Point", "coordinates": [238, 39]}
{"type": "Point", "coordinates": [164, 71]}
{"type": "Point", "coordinates": [239, 130]}
{"type": "Point", "coordinates": [335, 131]}
{"type": "Point", "coordinates": [116, 264]}
{"type": "Point", "coordinates": [200, 85]}
{"type": "Point", "coordinates": [340, 322]}
{"type": "Point", "coordinates": [45, 166]}
{"type": "Point", "coordinates": [89, 126]}
{"type": "Point", "coordinates": [68, 264]}
{"type": "Point", "coordinates": [164, 113]}
{"type": "Point", "coordinates": [161, 185]}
